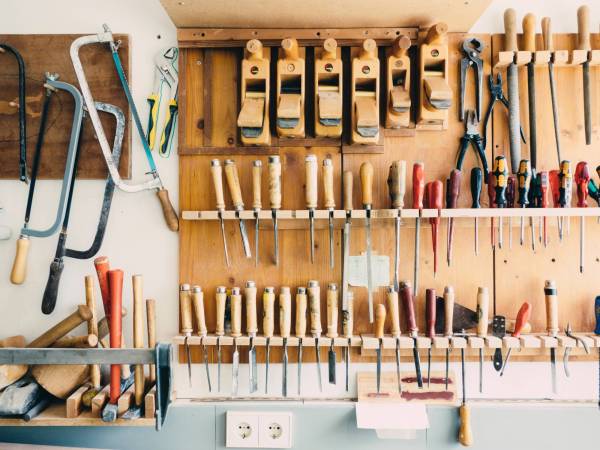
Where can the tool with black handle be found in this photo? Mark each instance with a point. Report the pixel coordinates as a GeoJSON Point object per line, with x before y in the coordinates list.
{"type": "Point", "coordinates": [397, 189]}
{"type": "Point", "coordinates": [221, 303]}
{"type": "Point", "coordinates": [430, 301]}
{"type": "Point", "coordinates": [514, 127]}
{"type": "Point", "coordinates": [256, 203]}
{"type": "Point", "coordinates": [233, 182]}
{"type": "Point", "coordinates": [285, 323]}
{"type": "Point", "coordinates": [417, 203]}
{"type": "Point", "coordinates": [435, 200]}
{"type": "Point", "coordinates": [236, 331]}
{"type": "Point", "coordinates": [366, 184]}
{"type": "Point", "coordinates": [523, 183]}
{"type": "Point", "coordinates": [217, 176]}
{"type": "Point", "coordinates": [200, 317]}
{"type": "Point", "coordinates": [329, 203]}
{"type": "Point", "coordinates": [275, 199]}
{"type": "Point", "coordinates": [347, 182]}
{"type": "Point", "coordinates": [521, 320]}
{"type": "Point", "coordinates": [301, 301]}
{"type": "Point", "coordinates": [406, 295]}
{"type": "Point", "coordinates": [552, 324]}
{"type": "Point", "coordinates": [332, 333]}
{"type": "Point", "coordinates": [379, 324]}
{"type": "Point", "coordinates": [448, 324]}
{"type": "Point", "coordinates": [186, 328]}
{"type": "Point", "coordinates": [499, 331]}
{"type": "Point", "coordinates": [583, 26]}
{"type": "Point", "coordinates": [314, 307]}
{"type": "Point", "coordinates": [483, 305]}
{"type": "Point", "coordinates": [251, 329]}
{"type": "Point", "coordinates": [501, 177]}
{"type": "Point", "coordinates": [548, 46]}
{"type": "Point", "coordinates": [268, 327]}
{"type": "Point", "coordinates": [452, 193]}
{"type": "Point", "coordinates": [310, 164]}
{"type": "Point", "coordinates": [476, 183]}
{"type": "Point", "coordinates": [582, 179]}
{"type": "Point", "coordinates": [529, 46]}
{"type": "Point", "coordinates": [347, 326]}
{"type": "Point", "coordinates": [392, 304]}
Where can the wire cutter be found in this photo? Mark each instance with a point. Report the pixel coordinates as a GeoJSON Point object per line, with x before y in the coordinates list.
{"type": "Point", "coordinates": [471, 49]}
{"type": "Point", "coordinates": [165, 76]}
{"type": "Point", "coordinates": [473, 137]}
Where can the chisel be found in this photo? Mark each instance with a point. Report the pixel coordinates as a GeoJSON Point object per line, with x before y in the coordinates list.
{"type": "Point", "coordinates": [347, 325]}
{"type": "Point", "coordinates": [233, 182]}
{"type": "Point", "coordinates": [332, 326]}
{"type": "Point", "coordinates": [198, 308]}
{"type": "Point", "coordinates": [310, 164]}
{"type": "Point", "coordinates": [514, 127]}
{"type": "Point", "coordinates": [418, 182]}
{"type": "Point", "coordinates": [521, 320]}
{"type": "Point", "coordinates": [275, 199]}
{"type": "Point", "coordinates": [285, 321]}
{"type": "Point", "coordinates": [523, 183]}
{"type": "Point", "coordinates": [366, 184]}
{"type": "Point", "coordinates": [392, 304]}
{"type": "Point", "coordinates": [236, 332]}
{"type": "Point", "coordinates": [552, 324]}
{"type": "Point", "coordinates": [268, 326]}
{"type": "Point", "coordinates": [397, 188]}
{"type": "Point", "coordinates": [548, 46]}
{"type": "Point", "coordinates": [329, 203]}
{"type": "Point", "coordinates": [314, 307]}
{"type": "Point", "coordinates": [186, 328]}
{"type": "Point", "coordinates": [300, 329]}
{"type": "Point", "coordinates": [251, 329]}
{"type": "Point", "coordinates": [583, 27]}
{"type": "Point", "coordinates": [448, 323]}
{"type": "Point", "coordinates": [379, 324]}
{"type": "Point", "coordinates": [347, 181]}
{"type": "Point", "coordinates": [452, 193]}
{"type": "Point", "coordinates": [476, 183]}
{"type": "Point", "coordinates": [529, 46]}
{"type": "Point", "coordinates": [407, 298]}
{"type": "Point", "coordinates": [430, 301]}
{"type": "Point", "coordinates": [220, 301]}
{"type": "Point", "coordinates": [435, 200]}
{"type": "Point", "coordinates": [256, 203]}
{"type": "Point", "coordinates": [217, 177]}
{"type": "Point", "coordinates": [483, 305]}
{"type": "Point", "coordinates": [582, 178]}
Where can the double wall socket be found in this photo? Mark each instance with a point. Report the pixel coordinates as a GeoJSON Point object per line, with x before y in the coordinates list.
{"type": "Point", "coordinates": [246, 429]}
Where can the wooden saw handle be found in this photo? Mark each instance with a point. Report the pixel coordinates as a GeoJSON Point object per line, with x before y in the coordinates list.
{"type": "Point", "coordinates": [392, 305]}
{"type": "Point", "coordinates": [269, 311]}
{"type": "Point", "coordinates": [169, 213]}
{"type": "Point", "coordinates": [310, 163]}
{"type": "Point", "coordinates": [332, 310]}
{"type": "Point", "coordinates": [236, 312]}
{"type": "Point", "coordinates": [285, 311]}
{"type": "Point", "coordinates": [19, 268]}
{"type": "Point", "coordinates": [328, 183]}
{"type": "Point", "coordinates": [301, 300]}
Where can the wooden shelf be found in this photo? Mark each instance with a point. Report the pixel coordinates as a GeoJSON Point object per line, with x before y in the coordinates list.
{"type": "Point", "coordinates": [560, 58]}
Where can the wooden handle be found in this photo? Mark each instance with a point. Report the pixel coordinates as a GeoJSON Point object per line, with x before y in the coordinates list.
{"type": "Point", "coordinates": [397, 183]}
{"type": "Point", "coordinates": [347, 180]}
{"type": "Point", "coordinates": [19, 268]}
{"type": "Point", "coordinates": [314, 307]}
{"type": "Point", "coordinates": [448, 310]}
{"type": "Point", "coordinates": [328, 183]}
{"type": "Point", "coordinates": [310, 163]}
{"type": "Point", "coordinates": [406, 296]}
{"type": "Point", "coordinates": [198, 310]}
{"type": "Point", "coordinates": [483, 305]}
{"type": "Point", "coordinates": [269, 311]}
{"type": "Point", "coordinates": [437, 34]}
{"type": "Point", "coordinates": [251, 321]}
{"type": "Point", "coordinates": [217, 176]}
{"type": "Point", "coordinates": [551, 307]}
{"type": "Point", "coordinates": [65, 326]}
{"type": "Point", "coordinates": [332, 311]}
{"type": "Point", "coordinates": [348, 316]}
{"type": "Point", "coordinates": [329, 49]}
{"type": "Point", "coordinates": [418, 183]}
{"type": "Point", "coordinates": [138, 336]}
{"type": "Point", "coordinates": [13, 342]}
{"type": "Point", "coordinates": [151, 326]}
{"type": "Point", "coordinates": [379, 320]}
{"type": "Point", "coordinates": [102, 266]}
{"type": "Point", "coordinates": [236, 312]}
{"type": "Point", "coordinates": [220, 301]}
{"type": "Point", "coordinates": [547, 34]}
{"type": "Point", "coordinates": [285, 311]}
{"type": "Point", "coordinates": [400, 46]}
{"type": "Point", "coordinates": [368, 49]}
{"type": "Point", "coordinates": [301, 312]}
{"type": "Point", "coordinates": [92, 326]}
{"type": "Point", "coordinates": [522, 319]}
{"type": "Point", "coordinates": [233, 183]}
{"type": "Point", "coordinates": [392, 306]}
{"type": "Point", "coordinates": [366, 184]}
{"type": "Point", "coordinates": [115, 288]}
{"type": "Point", "coordinates": [430, 304]}
{"type": "Point", "coordinates": [465, 435]}
{"type": "Point", "coordinates": [529, 32]}
{"type": "Point", "coordinates": [87, 341]}
{"type": "Point", "coordinates": [583, 27]}
{"type": "Point", "coordinates": [255, 49]}
{"type": "Point", "coordinates": [510, 30]}
{"type": "Point", "coordinates": [275, 182]}
{"type": "Point", "coordinates": [103, 325]}
{"type": "Point", "coordinates": [290, 48]}
{"type": "Point", "coordinates": [169, 213]}
{"type": "Point", "coordinates": [256, 184]}
{"type": "Point", "coordinates": [185, 309]}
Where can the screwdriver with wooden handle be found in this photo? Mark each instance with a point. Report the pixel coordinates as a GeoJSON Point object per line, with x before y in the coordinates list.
{"type": "Point", "coordinates": [300, 329]}
{"type": "Point", "coordinates": [216, 172]}
{"type": "Point", "coordinates": [522, 319]}
{"type": "Point", "coordinates": [347, 181]}
{"type": "Point", "coordinates": [314, 308]}
{"type": "Point", "coordinates": [198, 309]}
{"type": "Point", "coordinates": [332, 333]}
{"type": "Point", "coordinates": [583, 27]}
{"type": "Point", "coordinates": [185, 316]}
{"type": "Point", "coordinates": [251, 330]}
{"type": "Point", "coordinates": [310, 164]}
{"type": "Point", "coordinates": [483, 306]}
{"type": "Point", "coordinates": [347, 329]}
{"type": "Point", "coordinates": [329, 203]}
{"type": "Point", "coordinates": [448, 324]}
{"type": "Point", "coordinates": [236, 332]}
{"type": "Point", "coordinates": [221, 301]}
{"type": "Point", "coordinates": [366, 184]}
{"type": "Point", "coordinates": [552, 324]}
{"type": "Point", "coordinates": [379, 324]}
{"type": "Point", "coordinates": [397, 188]}
{"type": "Point", "coordinates": [256, 203]}
{"type": "Point", "coordinates": [452, 193]}
{"type": "Point", "coordinates": [268, 326]}
{"type": "Point", "coordinates": [275, 199]}
{"type": "Point", "coordinates": [548, 46]}
{"type": "Point", "coordinates": [435, 200]}
{"type": "Point", "coordinates": [407, 298]}
{"type": "Point", "coordinates": [233, 182]}
{"type": "Point", "coordinates": [430, 303]}
{"type": "Point", "coordinates": [582, 178]}
{"type": "Point", "coordinates": [285, 322]}
{"type": "Point", "coordinates": [418, 183]}
{"type": "Point", "coordinates": [392, 304]}
{"type": "Point", "coordinates": [475, 184]}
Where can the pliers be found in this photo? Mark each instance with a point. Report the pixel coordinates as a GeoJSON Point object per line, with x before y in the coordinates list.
{"type": "Point", "coordinates": [473, 137]}
{"type": "Point", "coordinates": [578, 341]}
{"type": "Point", "coordinates": [471, 49]}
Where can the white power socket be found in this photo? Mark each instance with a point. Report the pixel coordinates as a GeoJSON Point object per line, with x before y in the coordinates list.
{"type": "Point", "coordinates": [258, 429]}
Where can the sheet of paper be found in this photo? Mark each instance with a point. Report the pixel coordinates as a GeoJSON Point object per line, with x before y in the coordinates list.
{"type": "Point", "coordinates": [391, 416]}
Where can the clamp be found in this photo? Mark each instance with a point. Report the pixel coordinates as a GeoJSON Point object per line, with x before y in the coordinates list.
{"type": "Point", "coordinates": [578, 341]}
{"type": "Point", "coordinates": [473, 137]}
{"type": "Point", "coordinates": [471, 49]}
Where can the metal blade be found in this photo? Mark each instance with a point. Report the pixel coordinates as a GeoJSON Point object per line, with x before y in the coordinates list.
{"type": "Point", "coordinates": [513, 117]}
{"type": "Point", "coordinates": [253, 376]}
{"type": "Point", "coordinates": [379, 366]}
{"type": "Point", "coordinates": [447, 365]}
{"type": "Point", "coordinates": [245, 242]}
{"type": "Point", "coordinates": [345, 268]}
{"type": "Point", "coordinates": [417, 248]}
{"type": "Point", "coordinates": [312, 235]}
{"type": "Point", "coordinates": [587, 109]}
{"type": "Point", "coordinates": [532, 114]}
{"type": "Point", "coordinates": [205, 351]}
{"type": "Point", "coordinates": [300, 367]}
{"type": "Point", "coordinates": [554, 109]}
{"type": "Point", "coordinates": [256, 234]}
{"type": "Point", "coordinates": [480, 370]}
{"type": "Point", "coordinates": [397, 254]}
{"type": "Point", "coordinates": [189, 360]}
{"type": "Point", "coordinates": [398, 365]}
{"type": "Point", "coordinates": [347, 350]}
{"type": "Point", "coordinates": [318, 355]}
{"type": "Point", "coordinates": [276, 237]}
{"type": "Point", "coordinates": [267, 366]}
{"type": "Point", "coordinates": [235, 370]}
{"type": "Point", "coordinates": [417, 359]}
{"type": "Point", "coordinates": [331, 364]}
{"type": "Point", "coordinates": [331, 257]}
{"type": "Point", "coordinates": [285, 368]}
{"type": "Point", "coordinates": [505, 361]}
{"type": "Point", "coordinates": [369, 267]}
{"type": "Point", "coordinates": [428, 367]}
{"type": "Point", "coordinates": [224, 241]}
{"type": "Point", "coordinates": [553, 368]}
{"type": "Point", "coordinates": [219, 364]}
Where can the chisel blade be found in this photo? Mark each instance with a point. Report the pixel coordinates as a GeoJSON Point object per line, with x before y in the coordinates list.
{"type": "Point", "coordinates": [318, 357]}
{"type": "Point", "coordinates": [253, 375]}
{"type": "Point", "coordinates": [235, 370]}
{"type": "Point", "coordinates": [369, 267]}
{"type": "Point", "coordinates": [347, 351]}
{"type": "Point", "coordinates": [312, 235]}
{"type": "Point", "coordinates": [205, 351]}
{"type": "Point", "coordinates": [331, 357]}
{"type": "Point", "coordinates": [331, 256]}
{"type": "Point", "coordinates": [347, 227]}
{"type": "Point", "coordinates": [245, 242]}
{"type": "Point", "coordinates": [397, 253]}
{"type": "Point", "coordinates": [379, 366]}
{"type": "Point", "coordinates": [398, 365]}
{"type": "Point", "coordinates": [189, 360]}
{"type": "Point", "coordinates": [417, 359]}
{"type": "Point", "coordinates": [219, 364]}
{"type": "Point", "coordinates": [276, 237]}
{"type": "Point", "coordinates": [587, 108]}
{"type": "Point", "coordinates": [267, 365]}
{"type": "Point", "coordinates": [300, 367]}
{"type": "Point", "coordinates": [256, 238]}
{"type": "Point", "coordinates": [224, 240]}
{"type": "Point", "coordinates": [285, 369]}
{"type": "Point", "coordinates": [553, 368]}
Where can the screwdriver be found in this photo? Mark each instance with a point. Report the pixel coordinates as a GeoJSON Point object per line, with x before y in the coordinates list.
{"type": "Point", "coordinates": [347, 181]}
{"type": "Point", "coordinates": [397, 188]}
{"type": "Point", "coordinates": [452, 193]}
{"type": "Point", "coordinates": [198, 308]}
{"type": "Point", "coordinates": [366, 183]}
{"type": "Point", "coordinates": [552, 324]}
{"type": "Point", "coordinates": [256, 202]}
{"type": "Point", "coordinates": [448, 323]}
{"type": "Point", "coordinates": [407, 298]}
{"type": "Point", "coordinates": [379, 324]}
{"type": "Point", "coordinates": [476, 177]}
{"type": "Point", "coordinates": [314, 308]}
{"type": "Point", "coordinates": [501, 177]}
{"type": "Point", "coordinates": [430, 300]}
{"type": "Point", "coordinates": [332, 323]}
{"type": "Point", "coordinates": [435, 200]}
{"type": "Point", "coordinates": [534, 195]}
{"type": "Point", "coordinates": [582, 178]}
{"type": "Point", "coordinates": [554, 179]}
{"type": "Point", "coordinates": [565, 186]}
{"type": "Point", "coordinates": [521, 320]}
{"type": "Point", "coordinates": [220, 301]}
{"type": "Point", "coordinates": [523, 182]}
{"type": "Point", "coordinates": [310, 163]}
{"type": "Point", "coordinates": [347, 325]}
{"type": "Point", "coordinates": [285, 321]}
{"type": "Point", "coordinates": [185, 315]}
{"type": "Point", "coordinates": [251, 329]}
{"type": "Point", "coordinates": [329, 202]}
{"type": "Point", "coordinates": [418, 182]}
{"type": "Point", "coordinates": [392, 304]}
{"type": "Point", "coordinates": [510, 203]}
{"type": "Point", "coordinates": [268, 326]}
{"type": "Point", "coordinates": [217, 177]}
{"type": "Point", "coordinates": [543, 186]}
{"type": "Point", "coordinates": [275, 198]}
{"type": "Point", "coordinates": [300, 329]}
{"type": "Point", "coordinates": [233, 182]}
{"type": "Point", "coordinates": [236, 332]}
{"type": "Point", "coordinates": [483, 302]}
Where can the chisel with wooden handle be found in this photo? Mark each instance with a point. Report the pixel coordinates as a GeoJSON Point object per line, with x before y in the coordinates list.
{"type": "Point", "coordinates": [397, 188]}
{"type": "Point", "coordinates": [221, 301]}
{"type": "Point", "coordinates": [366, 184]}
{"type": "Point", "coordinates": [552, 324]}
{"type": "Point", "coordinates": [310, 164]}
{"type": "Point", "coordinates": [275, 199]}
{"type": "Point", "coordinates": [483, 307]}
{"type": "Point", "coordinates": [251, 329]}
{"type": "Point", "coordinates": [233, 183]}
{"type": "Point", "coordinates": [200, 317]}
{"type": "Point", "coordinates": [332, 323]}
{"type": "Point", "coordinates": [314, 307]}
{"type": "Point", "coordinates": [514, 127]}
{"type": "Point", "coordinates": [407, 298]}
{"type": "Point", "coordinates": [379, 324]}
{"type": "Point", "coordinates": [392, 304]}
{"type": "Point", "coordinates": [301, 302]}
{"type": "Point", "coordinates": [347, 181]}
{"type": "Point", "coordinates": [583, 27]}
{"type": "Point", "coordinates": [448, 324]}
{"type": "Point", "coordinates": [256, 203]}
{"type": "Point", "coordinates": [186, 328]}
{"type": "Point", "coordinates": [430, 302]}
{"type": "Point", "coordinates": [216, 172]}
{"type": "Point", "coordinates": [347, 329]}
{"type": "Point", "coordinates": [268, 327]}
{"type": "Point", "coordinates": [236, 332]}
{"type": "Point", "coordinates": [329, 203]}
{"type": "Point", "coordinates": [522, 319]}
{"type": "Point", "coordinates": [285, 322]}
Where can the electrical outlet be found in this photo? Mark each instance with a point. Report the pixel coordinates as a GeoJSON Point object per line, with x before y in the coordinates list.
{"type": "Point", "coordinates": [275, 430]}
{"type": "Point", "coordinates": [242, 429]}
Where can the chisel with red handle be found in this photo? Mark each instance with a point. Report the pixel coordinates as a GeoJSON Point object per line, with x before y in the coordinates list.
{"type": "Point", "coordinates": [417, 203]}
{"type": "Point", "coordinates": [520, 322]}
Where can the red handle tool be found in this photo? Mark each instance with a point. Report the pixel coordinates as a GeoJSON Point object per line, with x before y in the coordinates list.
{"type": "Point", "coordinates": [115, 285]}
{"type": "Point", "coordinates": [582, 178]}
{"type": "Point", "coordinates": [522, 318]}
{"type": "Point", "coordinates": [435, 200]}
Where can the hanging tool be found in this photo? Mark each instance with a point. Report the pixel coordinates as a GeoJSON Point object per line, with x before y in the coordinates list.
{"type": "Point", "coordinates": [217, 177]}
{"type": "Point", "coordinates": [329, 203]}
{"type": "Point", "coordinates": [51, 86]}
{"type": "Point", "coordinates": [512, 71]}
{"type": "Point", "coordinates": [347, 325]}
{"type": "Point", "coordinates": [200, 317]}
{"type": "Point", "coordinates": [106, 37]}
{"type": "Point", "coordinates": [435, 195]}
{"type": "Point", "coordinates": [529, 46]}
{"type": "Point", "coordinates": [522, 318]}
{"type": "Point", "coordinates": [430, 300]}
{"type": "Point", "coordinates": [347, 182]}
{"type": "Point", "coordinates": [565, 190]}
{"type": "Point", "coordinates": [285, 322]}
{"type": "Point", "coordinates": [366, 184]}
{"type": "Point", "coordinates": [452, 193]}
{"type": "Point", "coordinates": [501, 179]}
{"type": "Point", "coordinates": [583, 27]}
{"type": "Point", "coordinates": [578, 342]}
{"type": "Point", "coordinates": [186, 328]}
{"type": "Point", "coordinates": [472, 137]}
{"type": "Point", "coordinates": [256, 203]}
{"type": "Point", "coordinates": [397, 188]}
{"type": "Point", "coordinates": [465, 435]}
{"type": "Point", "coordinates": [379, 324]}
{"type": "Point", "coordinates": [483, 302]}
{"type": "Point", "coordinates": [448, 322]}
{"type": "Point", "coordinates": [332, 323]}
{"type": "Point", "coordinates": [135, 411]}
{"type": "Point", "coordinates": [275, 199]}
{"type": "Point", "coordinates": [236, 332]}
{"type": "Point", "coordinates": [552, 324]}
{"type": "Point", "coordinates": [554, 179]}
{"type": "Point", "coordinates": [499, 331]}
{"type": "Point", "coordinates": [510, 203]}
{"type": "Point", "coordinates": [476, 182]}
{"type": "Point", "coordinates": [220, 302]}
{"type": "Point", "coordinates": [22, 110]}
{"type": "Point", "coordinates": [471, 49]}
{"type": "Point", "coordinates": [548, 46]}
{"type": "Point", "coordinates": [300, 329]}
{"type": "Point", "coordinates": [310, 164]}
{"type": "Point", "coordinates": [543, 202]}
{"type": "Point", "coordinates": [314, 305]}
{"type": "Point", "coordinates": [268, 326]}
{"type": "Point", "coordinates": [582, 179]}
{"type": "Point", "coordinates": [251, 329]}
{"type": "Point", "coordinates": [417, 203]}
{"type": "Point", "coordinates": [491, 190]}
{"type": "Point", "coordinates": [407, 298]}
{"type": "Point", "coordinates": [392, 305]}
{"type": "Point", "coordinates": [523, 183]}
{"type": "Point", "coordinates": [233, 183]}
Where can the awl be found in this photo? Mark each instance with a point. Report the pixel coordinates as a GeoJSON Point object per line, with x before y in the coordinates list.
{"type": "Point", "coordinates": [310, 163]}
{"type": "Point", "coordinates": [397, 188]}
{"type": "Point", "coordinates": [256, 203]}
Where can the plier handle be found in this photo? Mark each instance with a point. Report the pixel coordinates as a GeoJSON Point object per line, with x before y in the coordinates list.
{"type": "Point", "coordinates": [472, 137]}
